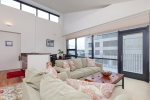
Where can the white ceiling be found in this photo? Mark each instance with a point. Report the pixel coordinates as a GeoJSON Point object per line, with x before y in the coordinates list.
{"type": "Point", "coordinates": [68, 6]}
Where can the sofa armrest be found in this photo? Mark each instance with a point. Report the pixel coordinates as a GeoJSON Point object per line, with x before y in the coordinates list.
{"type": "Point", "coordinates": [99, 65]}
{"type": "Point", "coordinates": [29, 93]}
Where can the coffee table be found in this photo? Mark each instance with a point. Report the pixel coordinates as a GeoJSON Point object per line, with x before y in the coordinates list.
{"type": "Point", "coordinates": [114, 78]}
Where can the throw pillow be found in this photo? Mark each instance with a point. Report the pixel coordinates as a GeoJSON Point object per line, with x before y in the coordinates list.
{"type": "Point", "coordinates": [78, 62]}
{"type": "Point", "coordinates": [72, 65]}
{"type": "Point", "coordinates": [91, 62]}
{"type": "Point", "coordinates": [92, 91]}
{"type": "Point", "coordinates": [50, 70]}
{"type": "Point", "coordinates": [105, 89]}
{"type": "Point", "coordinates": [84, 62]}
{"type": "Point", "coordinates": [66, 65]}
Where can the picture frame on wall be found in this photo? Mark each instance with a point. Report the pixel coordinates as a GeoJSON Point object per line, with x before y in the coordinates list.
{"type": "Point", "coordinates": [9, 43]}
{"type": "Point", "coordinates": [49, 43]}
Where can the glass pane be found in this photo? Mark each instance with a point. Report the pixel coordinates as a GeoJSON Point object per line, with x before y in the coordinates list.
{"type": "Point", "coordinates": [106, 46]}
{"type": "Point", "coordinates": [11, 3]}
{"type": "Point", "coordinates": [84, 46]}
{"type": "Point", "coordinates": [28, 9]}
{"type": "Point", "coordinates": [43, 14]}
{"type": "Point", "coordinates": [71, 44]}
{"type": "Point", "coordinates": [71, 52]}
{"type": "Point", "coordinates": [133, 53]}
{"type": "Point", "coordinates": [54, 18]}
{"type": "Point", "coordinates": [99, 61]}
{"type": "Point", "coordinates": [110, 65]}
{"type": "Point", "coordinates": [98, 46]}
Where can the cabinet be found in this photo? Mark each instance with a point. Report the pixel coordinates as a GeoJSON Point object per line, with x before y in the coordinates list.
{"type": "Point", "coordinates": [35, 60]}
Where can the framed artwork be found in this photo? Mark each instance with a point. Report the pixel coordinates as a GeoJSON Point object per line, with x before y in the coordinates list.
{"type": "Point", "coordinates": [49, 43]}
{"type": "Point", "coordinates": [9, 43]}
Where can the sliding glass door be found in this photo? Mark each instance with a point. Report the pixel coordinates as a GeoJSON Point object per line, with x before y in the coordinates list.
{"type": "Point", "coordinates": [134, 53]}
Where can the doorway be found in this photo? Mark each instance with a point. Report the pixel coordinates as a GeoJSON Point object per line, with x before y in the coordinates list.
{"type": "Point", "coordinates": [10, 49]}
{"type": "Point", "coordinates": [133, 53]}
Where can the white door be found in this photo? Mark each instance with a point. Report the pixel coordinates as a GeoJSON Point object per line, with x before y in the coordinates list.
{"type": "Point", "coordinates": [10, 49]}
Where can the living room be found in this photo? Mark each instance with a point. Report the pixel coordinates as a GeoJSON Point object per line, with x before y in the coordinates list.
{"type": "Point", "coordinates": [112, 36]}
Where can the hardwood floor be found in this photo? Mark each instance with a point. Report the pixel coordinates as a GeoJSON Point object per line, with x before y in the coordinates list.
{"type": "Point", "coordinates": [8, 82]}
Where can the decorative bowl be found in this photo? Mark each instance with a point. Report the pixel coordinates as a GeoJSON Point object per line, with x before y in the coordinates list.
{"type": "Point", "coordinates": [106, 73]}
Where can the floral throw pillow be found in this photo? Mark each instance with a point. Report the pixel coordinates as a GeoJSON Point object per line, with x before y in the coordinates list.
{"type": "Point", "coordinates": [91, 62]}
{"type": "Point", "coordinates": [66, 65]}
{"type": "Point", "coordinates": [72, 65]}
{"type": "Point", "coordinates": [52, 71]}
{"type": "Point", "coordinates": [97, 91]}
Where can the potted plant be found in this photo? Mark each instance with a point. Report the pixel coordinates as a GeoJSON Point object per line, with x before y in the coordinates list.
{"type": "Point", "coordinates": [60, 53]}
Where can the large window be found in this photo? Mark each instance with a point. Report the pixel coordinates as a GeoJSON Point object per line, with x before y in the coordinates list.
{"type": "Point", "coordinates": [106, 50]}
{"type": "Point", "coordinates": [29, 9]}
{"type": "Point", "coordinates": [71, 49]}
{"type": "Point", "coordinates": [11, 3]}
{"type": "Point", "coordinates": [102, 47]}
{"type": "Point", "coordinates": [84, 46]}
{"type": "Point", "coordinates": [43, 14]}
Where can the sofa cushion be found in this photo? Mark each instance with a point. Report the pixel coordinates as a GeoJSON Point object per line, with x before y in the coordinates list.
{"type": "Point", "coordinates": [62, 92]}
{"type": "Point", "coordinates": [72, 65]}
{"type": "Point", "coordinates": [78, 63]}
{"type": "Point", "coordinates": [95, 69]}
{"type": "Point", "coordinates": [84, 62]}
{"type": "Point", "coordinates": [83, 72]}
{"type": "Point", "coordinates": [59, 63]}
{"type": "Point", "coordinates": [91, 62]}
{"type": "Point", "coordinates": [66, 65]}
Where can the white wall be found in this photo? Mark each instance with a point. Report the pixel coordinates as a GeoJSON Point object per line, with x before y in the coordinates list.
{"type": "Point", "coordinates": [74, 22]}
{"type": "Point", "coordinates": [34, 31]}
{"type": "Point", "coordinates": [45, 30]}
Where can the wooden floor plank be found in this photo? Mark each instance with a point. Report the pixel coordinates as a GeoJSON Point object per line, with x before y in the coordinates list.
{"type": "Point", "coordinates": [8, 82]}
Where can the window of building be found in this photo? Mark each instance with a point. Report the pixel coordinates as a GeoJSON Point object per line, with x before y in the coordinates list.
{"type": "Point", "coordinates": [97, 52]}
{"type": "Point", "coordinates": [43, 14]}
{"type": "Point", "coordinates": [97, 44]}
{"type": "Point", "coordinates": [90, 45]}
{"type": "Point", "coordinates": [29, 9]}
{"type": "Point", "coordinates": [90, 52]}
{"type": "Point", "coordinates": [54, 18]}
{"type": "Point", "coordinates": [11, 3]}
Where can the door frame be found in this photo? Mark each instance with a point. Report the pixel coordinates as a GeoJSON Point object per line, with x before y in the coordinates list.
{"type": "Point", "coordinates": [145, 31]}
